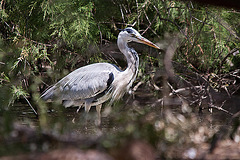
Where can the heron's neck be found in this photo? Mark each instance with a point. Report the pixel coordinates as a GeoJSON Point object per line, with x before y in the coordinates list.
{"type": "Point", "coordinates": [131, 56]}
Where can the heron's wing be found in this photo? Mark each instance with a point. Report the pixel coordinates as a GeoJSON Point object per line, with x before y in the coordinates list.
{"type": "Point", "coordinates": [80, 85]}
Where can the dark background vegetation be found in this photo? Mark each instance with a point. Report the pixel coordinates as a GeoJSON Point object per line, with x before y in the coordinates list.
{"type": "Point", "coordinates": [185, 100]}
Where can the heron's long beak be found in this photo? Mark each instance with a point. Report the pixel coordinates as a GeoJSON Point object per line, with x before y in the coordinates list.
{"type": "Point", "coordinates": [147, 42]}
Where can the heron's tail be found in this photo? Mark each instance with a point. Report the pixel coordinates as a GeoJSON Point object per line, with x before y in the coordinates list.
{"type": "Point", "coordinates": [48, 94]}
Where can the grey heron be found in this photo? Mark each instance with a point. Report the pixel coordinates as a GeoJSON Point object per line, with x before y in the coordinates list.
{"type": "Point", "coordinates": [94, 84]}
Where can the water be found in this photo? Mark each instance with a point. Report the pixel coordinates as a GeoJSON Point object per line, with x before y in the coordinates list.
{"type": "Point", "coordinates": [141, 102]}
{"type": "Point", "coordinates": [132, 118]}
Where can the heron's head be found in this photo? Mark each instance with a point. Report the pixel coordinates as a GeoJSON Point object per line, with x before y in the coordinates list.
{"type": "Point", "coordinates": [130, 34]}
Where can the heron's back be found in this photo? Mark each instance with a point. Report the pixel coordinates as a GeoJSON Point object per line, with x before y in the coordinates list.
{"type": "Point", "coordinates": [83, 83]}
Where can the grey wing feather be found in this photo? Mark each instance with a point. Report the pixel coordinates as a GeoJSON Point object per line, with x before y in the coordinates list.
{"type": "Point", "coordinates": [79, 85]}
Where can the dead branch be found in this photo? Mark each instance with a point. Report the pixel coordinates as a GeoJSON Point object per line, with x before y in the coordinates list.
{"type": "Point", "coordinates": [235, 50]}
{"type": "Point", "coordinates": [184, 89]}
{"type": "Point", "coordinates": [220, 109]}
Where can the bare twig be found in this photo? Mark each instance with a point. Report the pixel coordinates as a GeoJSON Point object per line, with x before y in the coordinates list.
{"type": "Point", "coordinates": [100, 35]}
{"type": "Point", "coordinates": [220, 109]}
{"type": "Point", "coordinates": [223, 23]}
{"type": "Point", "coordinates": [30, 105]}
{"type": "Point", "coordinates": [119, 23]}
{"type": "Point", "coordinates": [150, 23]}
{"type": "Point", "coordinates": [184, 89]}
{"type": "Point", "coordinates": [2, 5]}
{"type": "Point", "coordinates": [111, 58]}
{"type": "Point", "coordinates": [136, 86]}
{"type": "Point", "coordinates": [168, 20]}
{"type": "Point", "coordinates": [225, 58]}
{"type": "Point", "coordinates": [122, 13]}
{"type": "Point", "coordinates": [19, 34]}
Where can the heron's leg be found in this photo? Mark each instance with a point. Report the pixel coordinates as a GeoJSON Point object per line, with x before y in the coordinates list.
{"type": "Point", "coordinates": [88, 104]}
{"type": "Point", "coordinates": [79, 107]}
{"type": "Point", "coordinates": [87, 108]}
{"type": "Point", "coordinates": [78, 103]}
{"type": "Point", "coordinates": [98, 108]}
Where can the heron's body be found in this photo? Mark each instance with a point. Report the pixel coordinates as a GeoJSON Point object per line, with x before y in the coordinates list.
{"type": "Point", "coordinates": [94, 84]}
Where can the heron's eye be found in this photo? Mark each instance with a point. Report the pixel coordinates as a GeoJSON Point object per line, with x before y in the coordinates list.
{"type": "Point", "coordinates": [133, 35]}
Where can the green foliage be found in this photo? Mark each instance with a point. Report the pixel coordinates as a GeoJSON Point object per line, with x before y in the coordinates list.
{"type": "Point", "coordinates": [43, 40]}
{"type": "Point", "coordinates": [61, 34]}
{"type": "Point", "coordinates": [71, 21]}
